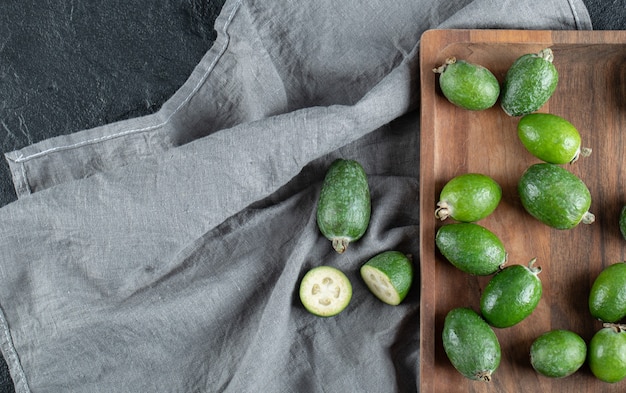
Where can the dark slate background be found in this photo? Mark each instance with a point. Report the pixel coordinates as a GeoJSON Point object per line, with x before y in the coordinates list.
{"type": "Point", "coordinates": [69, 65]}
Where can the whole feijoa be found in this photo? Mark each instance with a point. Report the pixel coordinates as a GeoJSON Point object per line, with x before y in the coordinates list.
{"type": "Point", "coordinates": [555, 196]}
{"type": "Point", "coordinates": [529, 83]}
{"type": "Point", "coordinates": [511, 295]}
{"type": "Point", "coordinates": [470, 344]}
{"type": "Point", "coordinates": [607, 298]}
{"type": "Point", "coordinates": [558, 353]}
{"type": "Point", "coordinates": [471, 248]}
{"type": "Point", "coordinates": [606, 354]}
{"type": "Point", "coordinates": [468, 85]}
{"type": "Point", "coordinates": [551, 138]}
{"type": "Point", "coordinates": [344, 206]}
{"type": "Point", "coordinates": [468, 198]}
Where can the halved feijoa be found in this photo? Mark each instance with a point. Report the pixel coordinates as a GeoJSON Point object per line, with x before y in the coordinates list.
{"type": "Point", "coordinates": [555, 196]}
{"type": "Point", "coordinates": [388, 276]}
{"type": "Point", "coordinates": [344, 206]}
{"type": "Point", "coordinates": [468, 85]}
{"type": "Point", "coordinates": [468, 198]}
{"type": "Point", "coordinates": [607, 298]}
{"type": "Point", "coordinates": [529, 83]}
{"type": "Point", "coordinates": [558, 353]}
{"type": "Point", "coordinates": [325, 291]}
{"type": "Point", "coordinates": [607, 353]}
{"type": "Point", "coordinates": [511, 295]}
{"type": "Point", "coordinates": [550, 138]}
{"type": "Point", "coordinates": [471, 248]}
{"type": "Point", "coordinates": [470, 344]}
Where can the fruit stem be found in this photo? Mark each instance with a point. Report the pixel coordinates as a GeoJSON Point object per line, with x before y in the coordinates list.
{"type": "Point", "coordinates": [617, 327]}
{"type": "Point", "coordinates": [588, 218]}
{"type": "Point", "coordinates": [534, 269]}
{"type": "Point", "coordinates": [484, 376]}
{"type": "Point", "coordinates": [442, 212]}
{"type": "Point", "coordinates": [340, 244]}
{"type": "Point", "coordinates": [546, 54]}
{"type": "Point", "coordinates": [442, 68]}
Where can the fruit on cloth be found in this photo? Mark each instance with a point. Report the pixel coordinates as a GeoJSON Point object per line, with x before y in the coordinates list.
{"type": "Point", "coordinates": [555, 196]}
{"type": "Point", "coordinates": [471, 248]}
{"type": "Point", "coordinates": [529, 83]}
{"type": "Point", "coordinates": [325, 291]}
{"type": "Point", "coordinates": [551, 138]}
{"type": "Point", "coordinates": [558, 353]}
{"type": "Point", "coordinates": [607, 353]}
{"type": "Point", "coordinates": [344, 206]}
{"type": "Point", "coordinates": [467, 85]}
{"type": "Point", "coordinates": [607, 298]}
{"type": "Point", "coordinates": [388, 276]}
{"type": "Point", "coordinates": [468, 198]}
{"type": "Point", "coordinates": [511, 295]}
{"type": "Point", "coordinates": [622, 222]}
{"type": "Point", "coordinates": [470, 344]}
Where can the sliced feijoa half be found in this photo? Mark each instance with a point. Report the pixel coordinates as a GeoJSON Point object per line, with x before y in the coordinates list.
{"type": "Point", "coordinates": [389, 276]}
{"type": "Point", "coordinates": [325, 291]}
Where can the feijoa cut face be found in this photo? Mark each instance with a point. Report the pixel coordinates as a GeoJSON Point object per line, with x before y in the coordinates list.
{"type": "Point", "coordinates": [511, 295]}
{"type": "Point", "coordinates": [389, 276]}
{"type": "Point", "coordinates": [607, 298]}
{"type": "Point", "coordinates": [344, 206]}
{"type": "Point", "coordinates": [325, 291]}
{"type": "Point", "coordinates": [555, 196]}
{"type": "Point", "coordinates": [471, 248]}
{"type": "Point", "coordinates": [551, 138]}
{"type": "Point", "coordinates": [529, 83]}
{"type": "Point", "coordinates": [607, 353]}
{"type": "Point", "coordinates": [468, 198]}
{"type": "Point", "coordinates": [558, 353]}
{"type": "Point", "coordinates": [470, 344]}
{"type": "Point", "coordinates": [468, 85]}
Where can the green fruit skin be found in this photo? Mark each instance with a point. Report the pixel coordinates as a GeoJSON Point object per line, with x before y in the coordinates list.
{"type": "Point", "coordinates": [622, 222]}
{"type": "Point", "coordinates": [470, 197]}
{"type": "Point", "coordinates": [510, 296]}
{"type": "Point", "coordinates": [607, 355]}
{"type": "Point", "coordinates": [344, 205]}
{"type": "Point", "coordinates": [554, 196]}
{"type": "Point", "coordinates": [558, 353]}
{"type": "Point", "coordinates": [528, 84]}
{"type": "Point", "coordinates": [469, 86]}
{"type": "Point", "coordinates": [607, 298]}
{"type": "Point", "coordinates": [398, 267]}
{"type": "Point", "coordinates": [471, 248]}
{"type": "Point", "coordinates": [470, 344]}
{"type": "Point", "coordinates": [549, 137]}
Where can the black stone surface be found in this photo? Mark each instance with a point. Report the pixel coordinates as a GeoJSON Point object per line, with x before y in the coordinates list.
{"type": "Point", "coordinates": [69, 65]}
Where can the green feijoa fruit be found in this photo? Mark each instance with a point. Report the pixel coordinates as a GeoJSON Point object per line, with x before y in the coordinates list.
{"type": "Point", "coordinates": [388, 276]}
{"type": "Point", "coordinates": [558, 353]}
{"type": "Point", "coordinates": [471, 248]}
{"type": "Point", "coordinates": [344, 206]}
{"type": "Point", "coordinates": [551, 138]}
{"type": "Point", "coordinates": [511, 295]}
{"type": "Point", "coordinates": [468, 198]}
{"type": "Point", "coordinates": [325, 291]}
{"type": "Point", "coordinates": [606, 354]}
{"type": "Point", "coordinates": [555, 196]}
{"type": "Point", "coordinates": [468, 85]}
{"type": "Point", "coordinates": [622, 222]}
{"type": "Point", "coordinates": [470, 344]}
{"type": "Point", "coordinates": [529, 83]}
{"type": "Point", "coordinates": [607, 298]}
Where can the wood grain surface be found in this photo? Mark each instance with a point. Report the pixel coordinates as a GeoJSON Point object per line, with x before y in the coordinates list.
{"type": "Point", "coordinates": [591, 94]}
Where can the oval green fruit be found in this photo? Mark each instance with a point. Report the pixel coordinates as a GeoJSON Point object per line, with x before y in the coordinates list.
{"type": "Point", "coordinates": [471, 248]}
{"type": "Point", "coordinates": [529, 83]}
{"type": "Point", "coordinates": [388, 276]}
{"type": "Point", "coordinates": [555, 196]}
{"type": "Point", "coordinates": [550, 138]}
{"type": "Point", "coordinates": [325, 291]}
{"type": "Point", "coordinates": [511, 295]}
{"type": "Point", "coordinates": [607, 298]}
{"type": "Point", "coordinates": [470, 344]}
{"type": "Point", "coordinates": [344, 206]}
{"type": "Point", "coordinates": [468, 198]}
{"type": "Point", "coordinates": [468, 85]}
{"type": "Point", "coordinates": [607, 353]}
{"type": "Point", "coordinates": [558, 353]}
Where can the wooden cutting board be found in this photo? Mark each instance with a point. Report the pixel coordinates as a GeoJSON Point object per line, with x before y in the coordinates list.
{"type": "Point", "coordinates": [591, 94]}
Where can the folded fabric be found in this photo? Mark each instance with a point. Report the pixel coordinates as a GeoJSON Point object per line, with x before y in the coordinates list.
{"type": "Point", "coordinates": [164, 253]}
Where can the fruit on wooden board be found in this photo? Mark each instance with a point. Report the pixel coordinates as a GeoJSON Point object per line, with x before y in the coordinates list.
{"type": "Point", "coordinates": [558, 353]}
{"type": "Point", "coordinates": [468, 198]}
{"type": "Point", "coordinates": [607, 298]}
{"type": "Point", "coordinates": [606, 354]}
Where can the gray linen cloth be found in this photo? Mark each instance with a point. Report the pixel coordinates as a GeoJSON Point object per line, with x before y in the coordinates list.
{"type": "Point", "coordinates": [164, 253]}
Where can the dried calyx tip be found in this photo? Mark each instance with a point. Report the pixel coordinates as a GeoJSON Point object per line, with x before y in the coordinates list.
{"type": "Point", "coordinates": [442, 68]}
